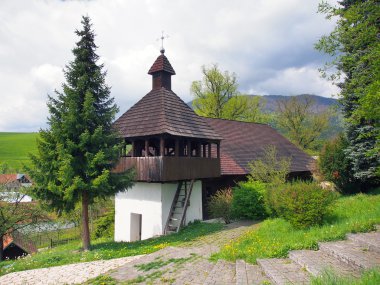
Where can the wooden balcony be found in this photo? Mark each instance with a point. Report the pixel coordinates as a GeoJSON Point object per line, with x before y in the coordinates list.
{"type": "Point", "coordinates": [170, 168]}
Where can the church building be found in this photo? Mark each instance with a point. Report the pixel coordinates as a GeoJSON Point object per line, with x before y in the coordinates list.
{"type": "Point", "coordinates": [179, 159]}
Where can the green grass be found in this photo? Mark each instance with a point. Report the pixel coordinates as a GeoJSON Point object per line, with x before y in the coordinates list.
{"type": "Point", "coordinates": [276, 237]}
{"type": "Point", "coordinates": [106, 249]}
{"type": "Point", "coordinates": [370, 277]}
{"type": "Point", "coordinates": [14, 149]}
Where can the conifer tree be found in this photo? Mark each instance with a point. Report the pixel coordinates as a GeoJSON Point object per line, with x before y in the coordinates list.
{"type": "Point", "coordinates": [355, 47]}
{"type": "Point", "coordinates": [78, 150]}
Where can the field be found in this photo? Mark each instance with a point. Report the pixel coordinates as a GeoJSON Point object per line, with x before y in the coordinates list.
{"type": "Point", "coordinates": [14, 149]}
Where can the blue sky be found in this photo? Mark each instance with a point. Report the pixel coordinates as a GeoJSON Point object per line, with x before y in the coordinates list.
{"type": "Point", "coordinates": [267, 43]}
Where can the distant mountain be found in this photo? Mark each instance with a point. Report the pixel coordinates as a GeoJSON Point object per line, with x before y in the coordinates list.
{"type": "Point", "coordinates": [269, 102]}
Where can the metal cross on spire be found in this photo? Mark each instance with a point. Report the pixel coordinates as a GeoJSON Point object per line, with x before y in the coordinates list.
{"type": "Point", "coordinates": [162, 41]}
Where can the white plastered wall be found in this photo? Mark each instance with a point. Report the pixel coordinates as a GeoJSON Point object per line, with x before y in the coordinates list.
{"type": "Point", "coordinates": [145, 199]}
{"type": "Point", "coordinates": [153, 202]}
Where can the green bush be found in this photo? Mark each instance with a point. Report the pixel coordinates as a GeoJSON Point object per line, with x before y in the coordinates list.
{"type": "Point", "coordinates": [335, 166]}
{"type": "Point", "coordinates": [221, 205]}
{"type": "Point", "coordinates": [303, 204]}
{"type": "Point", "coordinates": [104, 226]}
{"type": "Point", "coordinates": [248, 200]}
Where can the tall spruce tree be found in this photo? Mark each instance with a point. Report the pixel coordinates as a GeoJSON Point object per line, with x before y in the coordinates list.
{"type": "Point", "coordinates": [78, 150]}
{"type": "Point", "coordinates": [355, 47]}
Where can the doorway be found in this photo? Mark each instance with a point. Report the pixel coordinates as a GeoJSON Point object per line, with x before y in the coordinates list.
{"type": "Point", "coordinates": [135, 227]}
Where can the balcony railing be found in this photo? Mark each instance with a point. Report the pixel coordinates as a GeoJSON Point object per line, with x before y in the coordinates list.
{"type": "Point", "coordinates": [169, 168]}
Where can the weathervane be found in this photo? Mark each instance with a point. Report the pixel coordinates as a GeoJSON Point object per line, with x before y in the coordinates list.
{"type": "Point", "coordinates": [162, 41]}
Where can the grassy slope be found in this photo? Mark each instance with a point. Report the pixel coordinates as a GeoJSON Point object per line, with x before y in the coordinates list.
{"type": "Point", "coordinates": [276, 237]}
{"type": "Point", "coordinates": [106, 249]}
{"type": "Point", "coordinates": [14, 148]}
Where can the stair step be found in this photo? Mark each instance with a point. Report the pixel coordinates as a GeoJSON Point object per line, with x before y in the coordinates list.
{"type": "Point", "coordinates": [352, 253]}
{"type": "Point", "coordinates": [284, 271]}
{"type": "Point", "coordinates": [222, 273]}
{"type": "Point", "coordinates": [248, 274]}
{"type": "Point", "coordinates": [316, 262]}
{"type": "Point", "coordinates": [371, 240]}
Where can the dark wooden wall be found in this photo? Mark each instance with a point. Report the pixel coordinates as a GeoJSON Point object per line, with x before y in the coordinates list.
{"type": "Point", "coordinates": [166, 168]}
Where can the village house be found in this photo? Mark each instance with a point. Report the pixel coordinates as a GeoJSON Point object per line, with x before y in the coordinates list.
{"type": "Point", "coordinates": [12, 183]}
{"type": "Point", "coordinates": [180, 159]}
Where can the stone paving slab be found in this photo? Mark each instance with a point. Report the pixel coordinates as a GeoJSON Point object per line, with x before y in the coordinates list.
{"type": "Point", "coordinates": [241, 272]}
{"type": "Point", "coordinates": [352, 253]}
{"type": "Point", "coordinates": [316, 262]}
{"type": "Point", "coordinates": [222, 273]}
{"type": "Point", "coordinates": [284, 271]}
{"type": "Point", "coordinates": [66, 274]}
{"type": "Point", "coordinates": [255, 275]}
{"type": "Point", "coordinates": [371, 240]}
{"type": "Point", "coordinates": [249, 274]}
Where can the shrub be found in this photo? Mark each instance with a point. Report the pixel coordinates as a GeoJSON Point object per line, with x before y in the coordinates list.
{"type": "Point", "coordinates": [105, 225]}
{"type": "Point", "coordinates": [335, 166]}
{"type": "Point", "coordinates": [303, 204]}
{"type": "Point", "coordinates": [271, 168]}
{"type": "Point", "coordinates": [248, 200]}
{"type": "Point", "coordinates": [221, 205]}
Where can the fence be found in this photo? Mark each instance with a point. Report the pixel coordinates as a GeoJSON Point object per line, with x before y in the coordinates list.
{"type": "Point", "coordinates": [54, 238]}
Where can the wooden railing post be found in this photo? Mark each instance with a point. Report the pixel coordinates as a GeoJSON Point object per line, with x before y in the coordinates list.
{"type": "Point", "coordinates": [146, 147]}
{"type": "Point", "coordinates": [162, 146]}
{"type": "Point", "coordinates": [188, 148]}
{"type": "Point", "coordinates": [176, 147]}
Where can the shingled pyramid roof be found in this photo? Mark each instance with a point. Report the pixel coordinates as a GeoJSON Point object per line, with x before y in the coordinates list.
{"type": "Point", "coordinates": [161, 111]}
{"type": "Point", "coordinates": [161, 64]}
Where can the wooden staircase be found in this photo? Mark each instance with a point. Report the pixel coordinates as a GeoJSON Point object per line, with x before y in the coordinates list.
{"type": "Point", "coordinates": [177, 213]}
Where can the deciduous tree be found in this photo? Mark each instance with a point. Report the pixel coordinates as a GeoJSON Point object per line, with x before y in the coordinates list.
{"type": "Point", "coordinates": [79, 149]}
{"type": "Point", "coordinates": [301, 124]}
{"type": "Point", "coordinates": [217, 96]}
{"type": "Point", "coordinates": [16, 214]}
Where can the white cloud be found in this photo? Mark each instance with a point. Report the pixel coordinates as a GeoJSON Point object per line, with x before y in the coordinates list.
{"type": "Point", "coordinates": [268, 43]}
{"type": "Point", "coordinates": [294, 81]}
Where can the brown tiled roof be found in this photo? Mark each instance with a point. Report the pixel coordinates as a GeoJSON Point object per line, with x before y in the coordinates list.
{"type": "Point", "coordinates": [20, 240]}
{"type": "Point", "coordinates": [6, 178]}
{"type": "Point", "coordinates": [243, 142]}
{"type": "Point", "coordinates": [161, 64]}
{"type": "Point", "coordinates": [162, 111]}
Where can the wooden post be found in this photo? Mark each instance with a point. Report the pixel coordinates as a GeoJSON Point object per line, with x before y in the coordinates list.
{"type": "Point", "coordinates": [162, 146]}
{"type": "Point", "coordinates": [199, 149]}
{"type": "Point", "coordinates": [204, 150]}
{"type": "Point", "coordinates": [209, 150]}
{"type": "Point", "coordinates": [188, 148]}
{"type": "Point", "coordinates": [176, 148]}
{"type": "Point", "coordinates": [218, 149]}
{"type": "Point", "coordinates": [146, 147]}
{"type": "Point", "coordinates": [133, 150]}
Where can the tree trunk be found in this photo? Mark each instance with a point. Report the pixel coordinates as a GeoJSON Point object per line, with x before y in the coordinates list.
{"type": "Point", "coordinates": [1, 248]}
{"type": "Point", "coordinates": [85, 228]}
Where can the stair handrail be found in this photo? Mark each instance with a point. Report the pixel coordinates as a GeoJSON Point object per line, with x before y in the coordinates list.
{"type": "Point", "coordinates": [172, 206]}
{"type": "Point", "coordinates": [186, 205]}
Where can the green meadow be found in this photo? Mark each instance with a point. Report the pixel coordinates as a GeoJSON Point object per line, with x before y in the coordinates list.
{"type": "Point", "coordinates": [14, 149]}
